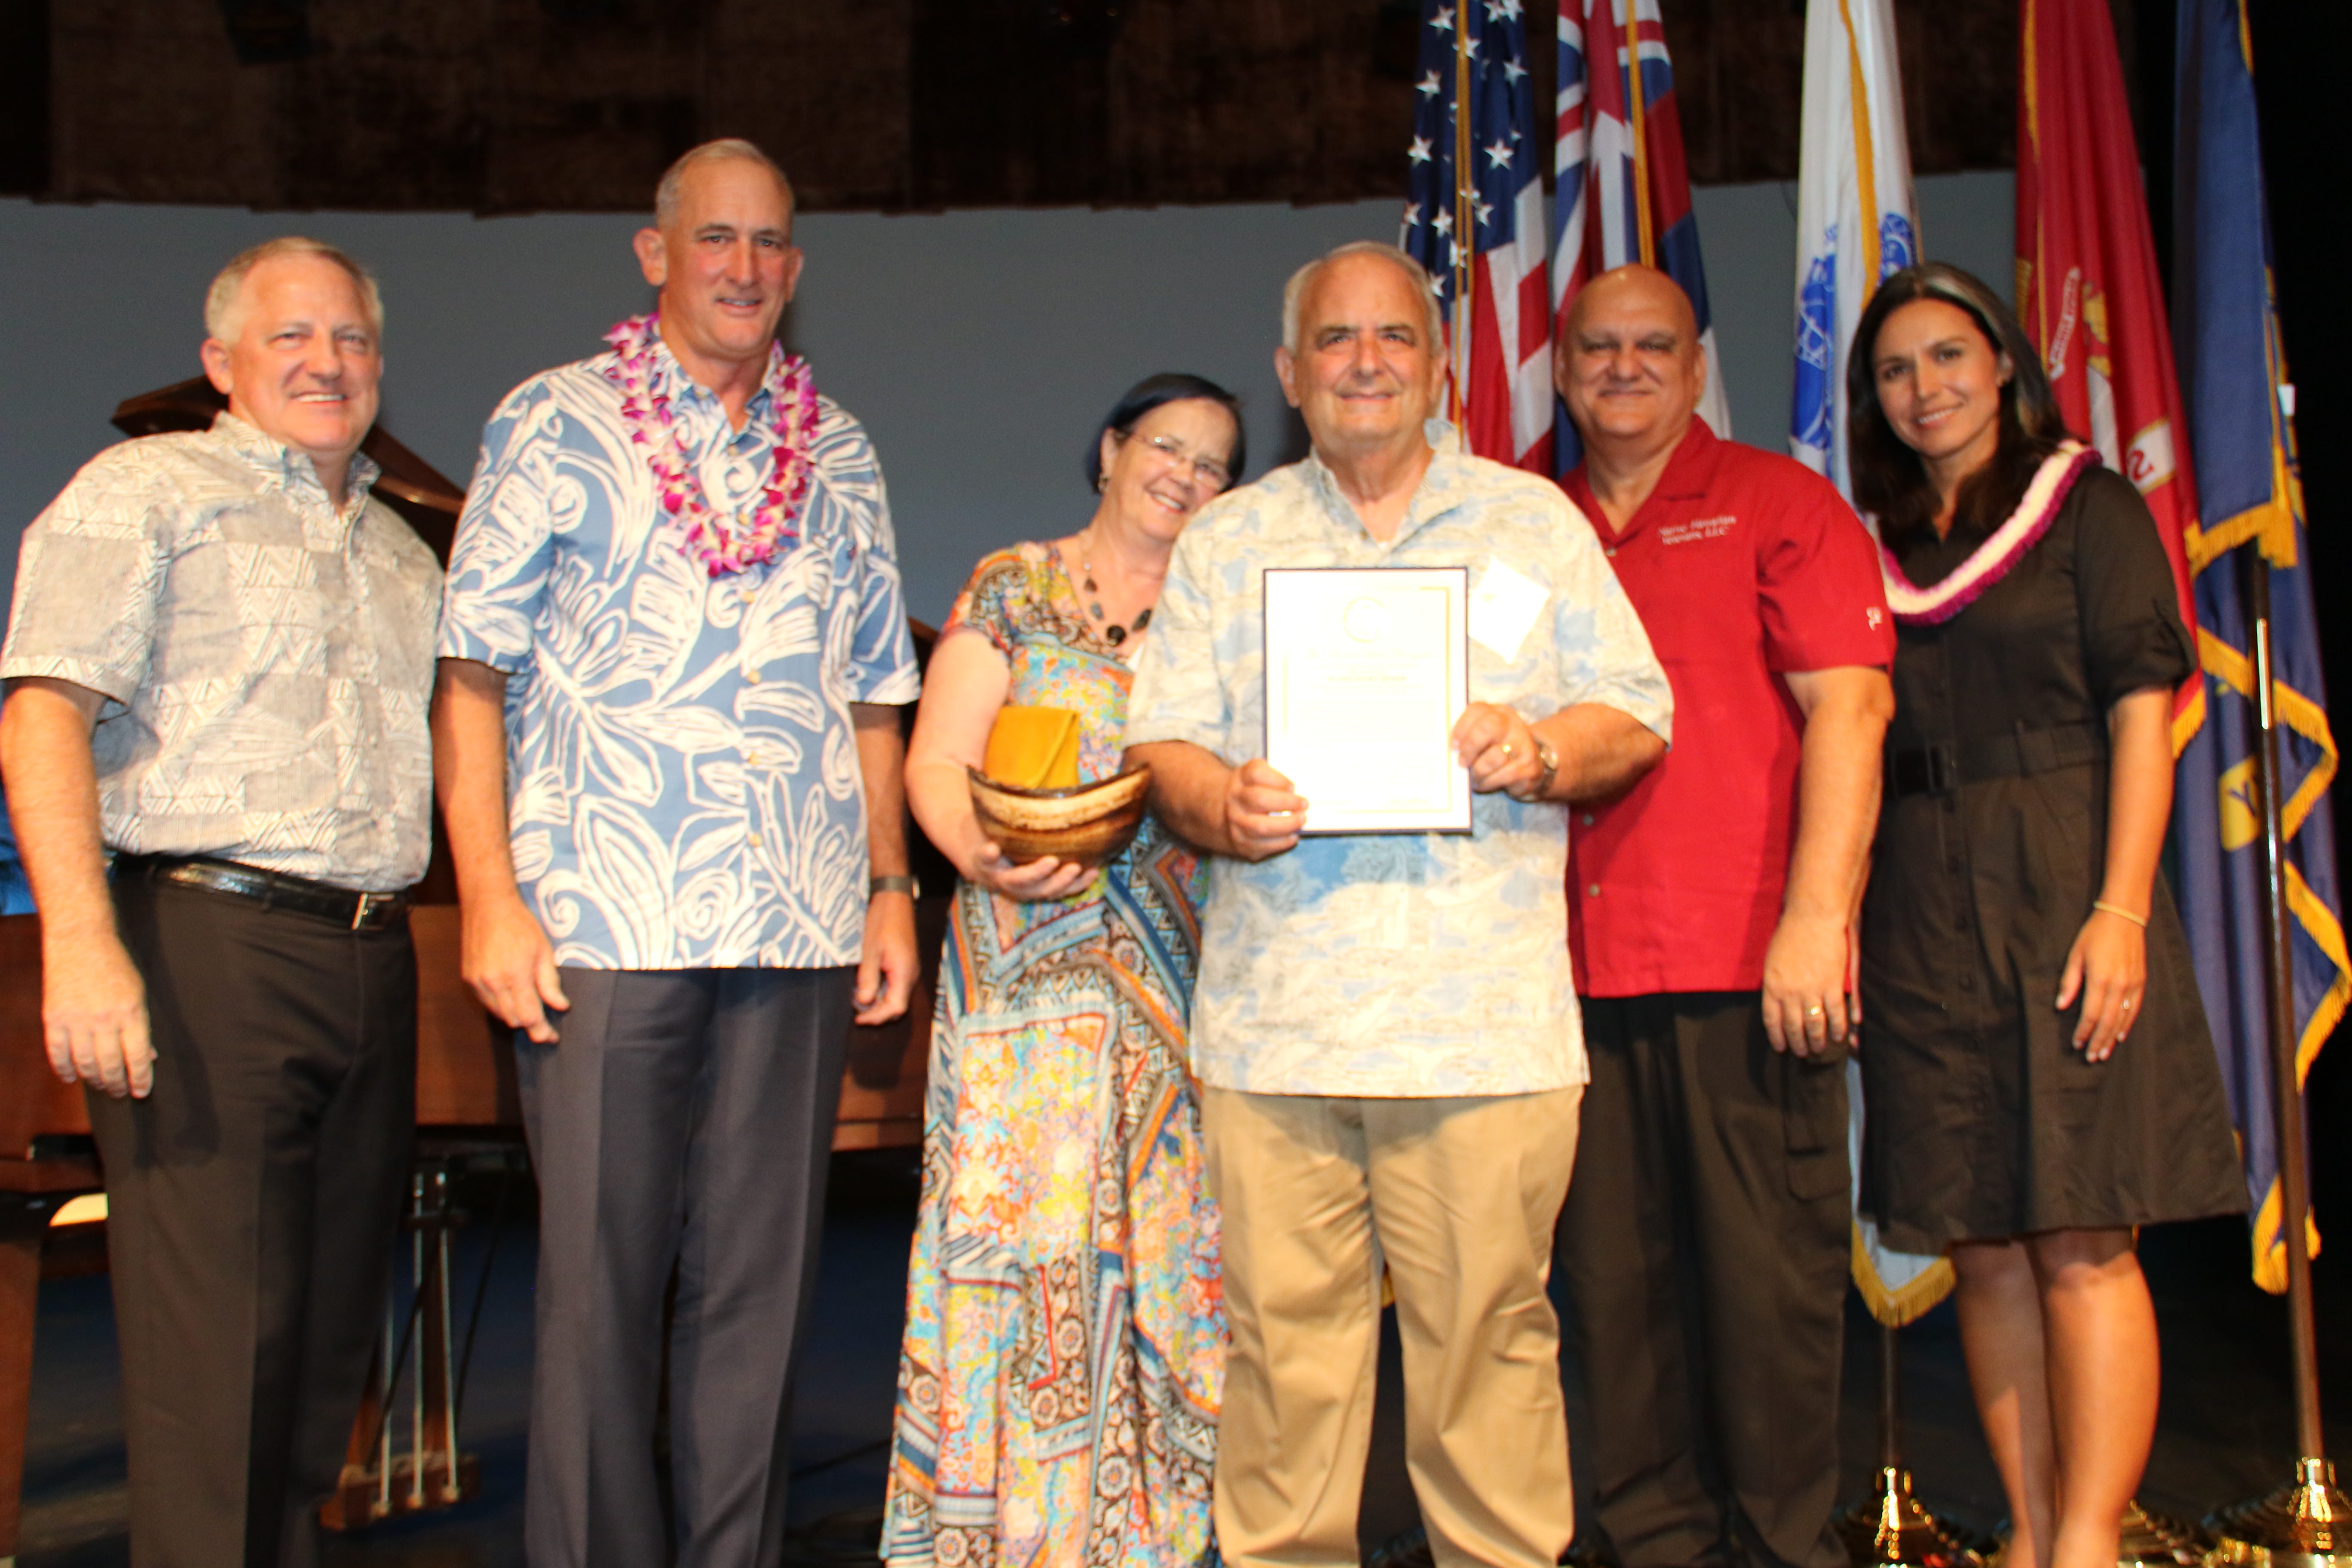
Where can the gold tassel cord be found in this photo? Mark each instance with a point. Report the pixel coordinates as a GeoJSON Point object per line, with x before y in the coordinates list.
{"type": "Point", "coordinates": [2299, 713]}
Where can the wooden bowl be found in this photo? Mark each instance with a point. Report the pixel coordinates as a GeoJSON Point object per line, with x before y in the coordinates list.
{"type": "Point", "coordinates": [1088, 824]}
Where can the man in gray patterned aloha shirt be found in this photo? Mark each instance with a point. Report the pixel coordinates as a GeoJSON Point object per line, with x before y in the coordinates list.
{"type": "Point", "coordinates": [1385, 1026]}
{"type": "Point", "coordinates": [219, 667]}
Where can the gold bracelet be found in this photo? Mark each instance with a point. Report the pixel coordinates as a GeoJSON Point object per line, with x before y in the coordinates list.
{"type": "Point", "coordinates": [2121, 913]}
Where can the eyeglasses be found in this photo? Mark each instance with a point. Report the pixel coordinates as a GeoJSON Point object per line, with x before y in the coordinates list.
{"type": "Point", "coordinates": [1208, 469]}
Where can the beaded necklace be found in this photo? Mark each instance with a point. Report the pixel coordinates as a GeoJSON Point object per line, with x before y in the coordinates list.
{"type": "Point", "coordinates": [722, 543]}
{"type": "Point", "coordinates": [1113, 632]}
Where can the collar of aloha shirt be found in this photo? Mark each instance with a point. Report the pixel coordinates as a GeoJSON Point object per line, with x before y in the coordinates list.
{"type": "Point", "coordinates": [291, 469]}
{"type": "Point", "coordinates": [1443, 485]}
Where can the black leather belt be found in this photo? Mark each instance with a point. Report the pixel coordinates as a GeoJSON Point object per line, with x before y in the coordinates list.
{"type": "Point", "coordinates": [270, 889]}
{"type": "Point", "coordinates": [1940, 769]}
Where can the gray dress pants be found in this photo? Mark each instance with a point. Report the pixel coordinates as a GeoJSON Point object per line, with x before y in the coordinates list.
{"type": "Point", "coordinates": [683, 1122]}
{"type": "Point", "coordinates": [252, 1198]}
{"type": "Point", "coordinates": [1705, 1245]}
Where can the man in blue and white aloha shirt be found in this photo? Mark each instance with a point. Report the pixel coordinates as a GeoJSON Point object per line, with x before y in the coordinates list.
{"type": "Point", "coordinates": [670, 773]}
{"type": "Point", "coordinates": [1385, 1028]}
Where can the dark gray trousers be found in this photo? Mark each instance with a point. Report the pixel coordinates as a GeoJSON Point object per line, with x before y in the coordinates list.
{"type": "Point", "coordinates": [1704, 1247]}
{"type": "Point", "coordinates": [251, 1201]}
{"type": "Point", "coordinates": [685, 1120]}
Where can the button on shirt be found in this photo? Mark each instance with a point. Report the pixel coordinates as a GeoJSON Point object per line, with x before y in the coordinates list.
{"type": "Point", "coordinates": [1407, 964]}
{"type": "Point", "coordinates": [1744, 564]}
{"type": "Point", "coordinates": [683, 783]}
{"type": "Point", "coordinates": [265, 656]}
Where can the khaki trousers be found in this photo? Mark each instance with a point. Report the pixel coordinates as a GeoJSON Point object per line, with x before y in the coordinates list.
{"type": "Point", "coordinates": [1458, 1196]}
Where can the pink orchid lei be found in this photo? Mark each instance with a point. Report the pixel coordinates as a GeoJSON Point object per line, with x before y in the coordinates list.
{"type": "Point", "coordinates": [722, 543]}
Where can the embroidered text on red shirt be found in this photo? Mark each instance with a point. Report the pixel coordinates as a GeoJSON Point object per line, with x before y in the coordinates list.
{"type": "Point", "coordinates": [1697, 529]}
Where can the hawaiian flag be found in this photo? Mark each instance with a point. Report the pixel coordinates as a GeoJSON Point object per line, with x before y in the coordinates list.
{"type": "Point", "coordinates": [1623, 189]}
{"type": "Point", "coordinates": [2087, 288]}
{"type": "Point", "coordinates": [2240, 419]}
{"type": "Point", "coordinates": [1476, 179]}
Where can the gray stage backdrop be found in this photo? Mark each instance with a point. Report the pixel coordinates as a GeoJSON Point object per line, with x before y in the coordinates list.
{"type": "Point", "coordinates": [979, 347]}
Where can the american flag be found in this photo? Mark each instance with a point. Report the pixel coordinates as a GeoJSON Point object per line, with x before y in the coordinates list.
{"type": "Point", "coordinates": [1624, 188]}
{"type": "Point", "coordinates": [1502, 344]}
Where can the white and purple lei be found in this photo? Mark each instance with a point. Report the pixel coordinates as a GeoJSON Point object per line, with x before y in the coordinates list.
{"type": "Point", "coordinates": [1989, 562]}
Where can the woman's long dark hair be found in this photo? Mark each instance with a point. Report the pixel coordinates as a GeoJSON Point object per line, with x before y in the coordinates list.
{"type": "Point", "coordinates": [1147, 395]}
{"type": "Point", "coordinates": [1889, 478]}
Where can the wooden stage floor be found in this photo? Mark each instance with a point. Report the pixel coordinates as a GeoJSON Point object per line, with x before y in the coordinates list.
{"type": "Point", "coordinates": [2226, 1429]}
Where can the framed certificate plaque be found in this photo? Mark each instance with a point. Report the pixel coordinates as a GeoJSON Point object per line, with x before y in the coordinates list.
{"type": "Point", "coordinates": [1367, 670]}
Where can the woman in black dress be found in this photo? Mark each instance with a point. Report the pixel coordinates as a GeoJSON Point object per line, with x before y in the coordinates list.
{"type": "Point", "coordinates": [2038, 1075]}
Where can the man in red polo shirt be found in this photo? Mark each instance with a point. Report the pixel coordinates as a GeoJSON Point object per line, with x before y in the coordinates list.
{"type": "Point", "coordinates": [1704, 1243]}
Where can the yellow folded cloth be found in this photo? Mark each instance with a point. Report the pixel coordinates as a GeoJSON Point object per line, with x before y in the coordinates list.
{"type": "Point", "coordinates": [1033, 748]}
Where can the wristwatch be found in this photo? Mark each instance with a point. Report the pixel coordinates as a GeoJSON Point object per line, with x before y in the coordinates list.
{"type": "Point", "coordinates": [1551, 761]}
{"type": "Point", "coordinates": [890, 885]}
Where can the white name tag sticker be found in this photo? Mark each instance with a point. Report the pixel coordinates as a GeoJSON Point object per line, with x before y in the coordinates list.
{"type": "Point", "coordinates": [1503, 606]}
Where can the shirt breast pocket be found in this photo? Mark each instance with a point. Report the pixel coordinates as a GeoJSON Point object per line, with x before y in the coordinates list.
{"type": "Point", "coordinates": [282, 605]}
{"type": "Point", "coordinates": [1710, 577]}
{"type": "Point", "coordinates": [812, 574]}
{"type": "Point", "coordinates": [1509, 643]}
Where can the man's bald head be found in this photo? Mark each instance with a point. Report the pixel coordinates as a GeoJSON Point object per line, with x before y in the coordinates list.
{"type": "Point", "coordinates": [1630, 367]}
{"type": "Point", "coordinates": [1637, 283]}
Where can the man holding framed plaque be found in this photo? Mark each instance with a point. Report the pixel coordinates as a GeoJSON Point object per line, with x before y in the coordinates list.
{"type": "Point", "coordinates": [1711, 908]}
{"type": "Point", "coordinates": [1435, 653]}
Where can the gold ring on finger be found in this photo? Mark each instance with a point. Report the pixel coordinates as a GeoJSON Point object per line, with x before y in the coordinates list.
{"type": "Point", "coordinates": [1814, 1011]}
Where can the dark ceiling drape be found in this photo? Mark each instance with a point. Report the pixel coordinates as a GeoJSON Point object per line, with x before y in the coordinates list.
{"type": "Point", "coordinates": [523, 105]}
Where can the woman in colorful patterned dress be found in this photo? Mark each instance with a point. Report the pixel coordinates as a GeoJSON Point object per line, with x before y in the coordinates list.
{"type": "Point", "coordinates": [1066, 1334]}
{"type": "Point", "coordinates": [2037, 1071]}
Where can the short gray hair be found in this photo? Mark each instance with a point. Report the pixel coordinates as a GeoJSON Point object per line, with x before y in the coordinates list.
{"type": "Point", "coordinates": [672, 180]}
{"type": "Point", "coordinates": [1294, 293]}
{"type": "Point", "coordinates": [225, 300]}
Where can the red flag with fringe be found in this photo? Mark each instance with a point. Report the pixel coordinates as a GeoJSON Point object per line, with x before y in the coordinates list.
{"type": "Point", "coordinates": [2087, 287]}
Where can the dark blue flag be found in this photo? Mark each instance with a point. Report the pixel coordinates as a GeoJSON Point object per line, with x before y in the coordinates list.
{"type": "Point", "coordinates": [2241, 430]}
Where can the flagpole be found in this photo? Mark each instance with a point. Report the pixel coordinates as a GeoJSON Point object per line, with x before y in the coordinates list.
{"type": "Point", "coordinates": [1638, 121]}
{"type": "Point", "coordinates": [1891, 1528]}
{"type": "Point", "coordinates": [1465, 235]}
{"type": "Point", "coordinates": [2287, 1088]}
{"type": "Point", "coordinates": [2307, 1522]}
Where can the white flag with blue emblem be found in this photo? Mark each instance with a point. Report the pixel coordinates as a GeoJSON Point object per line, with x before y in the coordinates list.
{"type": "Point", "coordinates": [1855, 224]}
{"type": "Point", "coordinates": [1855, 221]}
